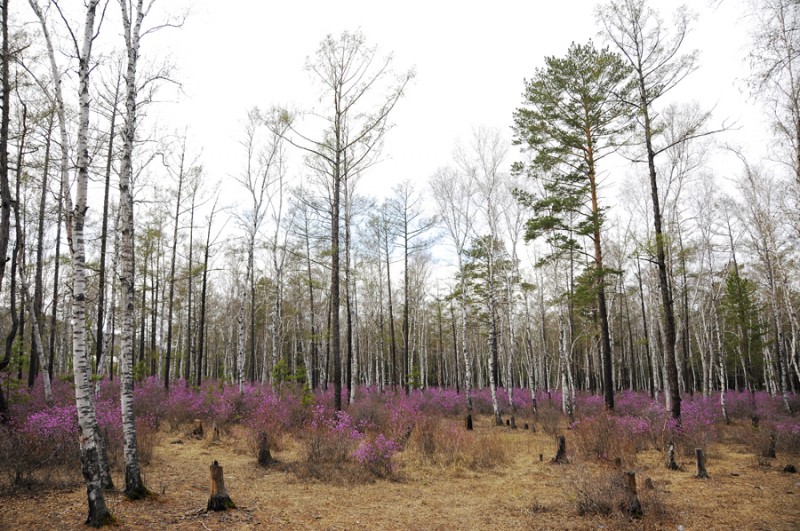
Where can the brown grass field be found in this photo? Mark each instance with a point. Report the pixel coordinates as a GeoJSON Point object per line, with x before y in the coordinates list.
{"type": "Point", "coordinates": [743, 492]}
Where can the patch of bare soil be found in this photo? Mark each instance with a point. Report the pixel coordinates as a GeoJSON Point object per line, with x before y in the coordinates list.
{"type": "Point", "coordinates": [527, 493]}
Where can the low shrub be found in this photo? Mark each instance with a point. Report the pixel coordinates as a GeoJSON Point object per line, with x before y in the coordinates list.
{"type": "Point", "coordinates": [604, 437]}
{"type": "Point", "coordinates": [375, 454]}
{"type": "Point", "coordinates": [549, 417]}
{"type": "Point", "coordinates": [446, 443]}
{"type": "Point", "coordinates": [28, 456]}
{"type": "Point", "coordinates": [339, 449]}
{"type": "Point", "coordinates": [697, 424]}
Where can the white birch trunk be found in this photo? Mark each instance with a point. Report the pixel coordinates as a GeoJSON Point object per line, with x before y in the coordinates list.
{"type": "Point", "coordinates": [134, 487]}
{"type": "Point", "coordinates": [464, 347]}
{"type": "Point", "coordinates": [90, 441]}
{"type": "Point", "coordinates": [240, 349]}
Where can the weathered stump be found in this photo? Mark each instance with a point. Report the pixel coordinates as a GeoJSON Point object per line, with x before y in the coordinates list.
{"type": "Point", "coordinates": [264, 456]}
{"type": "Point", "coordinates": [561, 452]}
{"type": "Point", "coordinates": [469, 421]}
{"type": "Point", "coordinates": [701, 464]}
{"type": "Point", "coordinates": [671, 464]}
{"type": "Point", "coordinates": [513, 422]}
{"type": "Point", "coordinates": [634, 507]}
{"type": "Point", "coordinates": [772, 451]}
{"type": "Point", "coordinates": [215, 435]}
{"type": "Point", "coordinates": [197, 430]}
{"type": "Point", "coordinates": [219, 499]}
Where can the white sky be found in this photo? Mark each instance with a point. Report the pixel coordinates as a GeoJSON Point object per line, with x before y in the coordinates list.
{"type": "Point", "coordinates": [470, 58]}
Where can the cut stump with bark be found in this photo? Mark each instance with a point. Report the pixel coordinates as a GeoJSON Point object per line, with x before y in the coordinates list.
{"type": "Point", "coordinates": [197, 430]}
{"type": "Point", "coordinates": [671, 464]}
{"type": "Point", "coordinates": [701, 464]}
{"type": "Point", "coordinates": [264, 455]}
{"type": "Point", "coordinates": [469, 422]}
{"type": "Point", "coordinates": [219, 499]}
{"type": "Point", "coordinates": [634, 507]}
{"type": "Point", "coordinates": [772, 451]}
{"type": "Point", "coordinates": [561, 452]}
{"type": "Point", "coordinates": [513, 423]}
{"type": "Point", "coordinates": [215, 435]}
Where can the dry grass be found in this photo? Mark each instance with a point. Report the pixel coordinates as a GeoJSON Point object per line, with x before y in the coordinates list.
{"type": "Point", "coordinates": [521, 493]}
{"type": "Point", "coordinates": [445, 443]}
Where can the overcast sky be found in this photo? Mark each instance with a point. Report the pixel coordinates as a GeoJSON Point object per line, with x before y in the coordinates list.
{"type": "Point", "coordinates": [470, 57]}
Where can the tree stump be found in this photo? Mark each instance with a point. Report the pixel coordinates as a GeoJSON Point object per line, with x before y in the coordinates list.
{"type": "Point", "coordinates": [219, 499]}
{"type": "Point", "coordinates": [469, 422]}
{"type": "Point", "coordinates": [634, 507]}
{"type": "Point", "coordinates": [533, 405]}
{"type": "Point", "coordinates": [671, 464]}
{"type": "Point", "coordinates": [264, 456]}
{"type": "Point", "coordinates": [525, 426]}
{"type": "Point", "coordinates": [215, 435]}
{"type": "Point", "coordinates": [513, 422]}
{"type": "Point", "coordinates": [561, 453]}
{"type": "Point", "coordinates": [197, 431]}
{"type": "Point", "coordinates": [508, 422]}
{"type": "Point", "coordinates": [772, 451]}
{"type": "Point", "coordinates": [701, 464]}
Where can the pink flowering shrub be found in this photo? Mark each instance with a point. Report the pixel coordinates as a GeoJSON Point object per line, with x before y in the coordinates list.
{"type": "Point", "coordinates": [376, 454]}
{"type": "Point", "coordinates": [340, 448]}
{"type": "Point", "coordinates": [697, 425]}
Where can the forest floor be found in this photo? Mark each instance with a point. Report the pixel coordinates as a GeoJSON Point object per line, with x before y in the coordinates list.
{"type": "Point", "coordinates": [743, 492]}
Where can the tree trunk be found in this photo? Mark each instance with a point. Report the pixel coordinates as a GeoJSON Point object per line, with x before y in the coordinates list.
{"type": "Point", "coordinates": [171, 299]}
{"type": "Point", "coordinates": [38, 280]}
{"type": "Point", "coordinates": [101, 277]}
{"type": "Point", "coordinates": [90, 440]}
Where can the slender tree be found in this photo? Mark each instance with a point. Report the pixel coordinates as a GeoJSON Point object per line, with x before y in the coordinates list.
{"type": "Point", "coordinates": [658, 65]}
{"type": "Point", "coordinates": [90, 441]}
{"type": "Point", "coordinates": [453, 192]}
{"type": "Point", "coordinates": [351, 74]}
{"type": "Point", "coordinates": [412, 225]}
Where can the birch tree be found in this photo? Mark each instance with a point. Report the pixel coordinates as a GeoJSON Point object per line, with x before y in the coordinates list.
{"type": "Point", "coordinates": [453, 192]}
{"type": "Point", "coordinates": [488, 156]}
{"type": "Point", "coordinates": [133, 14]}
{"type": "Point", "coordinates": [258, 177]}
{"type": "Point", "coordinates": [90, 443]}
{"type": "Point", "coordinates": [775, 69]}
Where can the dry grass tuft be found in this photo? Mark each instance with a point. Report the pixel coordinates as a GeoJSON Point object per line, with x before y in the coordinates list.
{"type": "Point", "coordinates": [445, 443]}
